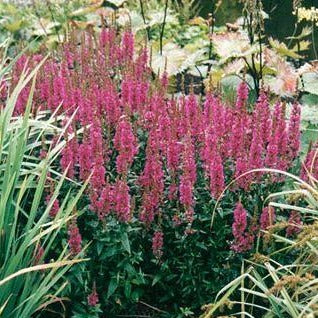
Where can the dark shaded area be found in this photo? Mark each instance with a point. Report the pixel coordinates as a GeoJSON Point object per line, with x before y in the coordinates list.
{"type": "Point", "coordinates": [281, 22]}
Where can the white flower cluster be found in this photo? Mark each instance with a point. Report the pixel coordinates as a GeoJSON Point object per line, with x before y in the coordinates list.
{"type": "Point", "coordinates": [308, 14]}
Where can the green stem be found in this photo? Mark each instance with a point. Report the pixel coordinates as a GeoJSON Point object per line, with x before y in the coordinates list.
{"type": "Point", "coordinates": [313, 40]}
{"type": "Point", "coordinates": [163, 25]}
{"type": "Point", "coordinates": [53, 20]}
{"type": "Point", "coordinates": [144, 18]}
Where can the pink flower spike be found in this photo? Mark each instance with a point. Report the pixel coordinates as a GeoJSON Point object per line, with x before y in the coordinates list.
{"type": "Point", "coordinates": [243, 240]}
{"type": "Point", "coordinates": [74, 239]}
{"type": "Point", "coordinates": [268, 217]}
{"type": "Point", "coordinates": [126, 145]}
{"type": "Point", "coordinates": [216, 176]}
{"type": "Point", "coordinates": [121, 199]}
{"type": "Point", "coordinates": [157, 244]}
{"type": "Point", "coordinates": [294, 132]}
{"type": "Point", "coordinates": [92, 298]}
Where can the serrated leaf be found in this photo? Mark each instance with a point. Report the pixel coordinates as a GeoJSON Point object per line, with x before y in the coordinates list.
{"type": "Point", "coordinates": [305, 32]}
{"type": "Point", "coordinates": [192, 60]}
{"type": "Point", "coordinates": [234, 67]}
{"type": "Point", "coordinates": [302, 46]}
{"type": "Point", "coordinates": [230, 45]}
{"type": "Point", "coordinates": [282, 49]}
{"type": "Point", "coordinates": [284, 83]}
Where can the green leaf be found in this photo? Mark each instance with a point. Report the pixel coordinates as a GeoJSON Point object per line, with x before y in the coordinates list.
{"type": "Point", "coordinates": [14, 26]}
{"type": "Point", "coordinates": [110, 251]}
{"type": "Point", "coordinates": [125, 242]}
{"type": "Point", "coordinates": [310, 100]}
{"type": "Point", "coordinates": [302, 46]}
{"type": "Point", "coordinates": [127, 289]}
{"type": "Point", "coordinates": [136, 295]}
{"type": "Point", "coordinates": [155, 280]}
{"type": "Point", "coordinates": [113, 284]}
{"type": "Point", "coordinates": [99, 248]}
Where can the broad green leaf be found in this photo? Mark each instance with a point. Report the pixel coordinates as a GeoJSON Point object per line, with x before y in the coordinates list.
{"type": "Point", "coordinates": [170, 61]}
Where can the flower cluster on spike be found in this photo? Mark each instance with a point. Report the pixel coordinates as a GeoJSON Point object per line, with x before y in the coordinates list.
{"type": "Point", "coordinates": [267, 218]}
{"type": "Point", "coordinates": [142, 148]}
{"type": "Point", "coordinates": [157, 244]}
{"type": "Point", "coordinates": [125, 144]}
{"type": "Point", "coordinates": [151, 180]}
{"type": "Point", "coordinates": [74, 239]}
{"type": "Point", "coordinates": [55, 207]}
{"type": "Point", "coordinates": [243, 239]}
{"type": "Point", "coordinates": [92, 298]}
{"type": "Point", "coordinates": [309, 169]}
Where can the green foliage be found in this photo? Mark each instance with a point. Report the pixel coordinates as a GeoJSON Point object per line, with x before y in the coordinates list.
{"type": "Point", "coordinates": [27, 283]}
{"type": "Point", "coordinates": [283, 282]}
{"type": "Point", "coordinates": [195, 264]}
{"type": "Point", "coordinates": [44, 21]}
{"type": "Point", "coordinates": [125, 270]}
